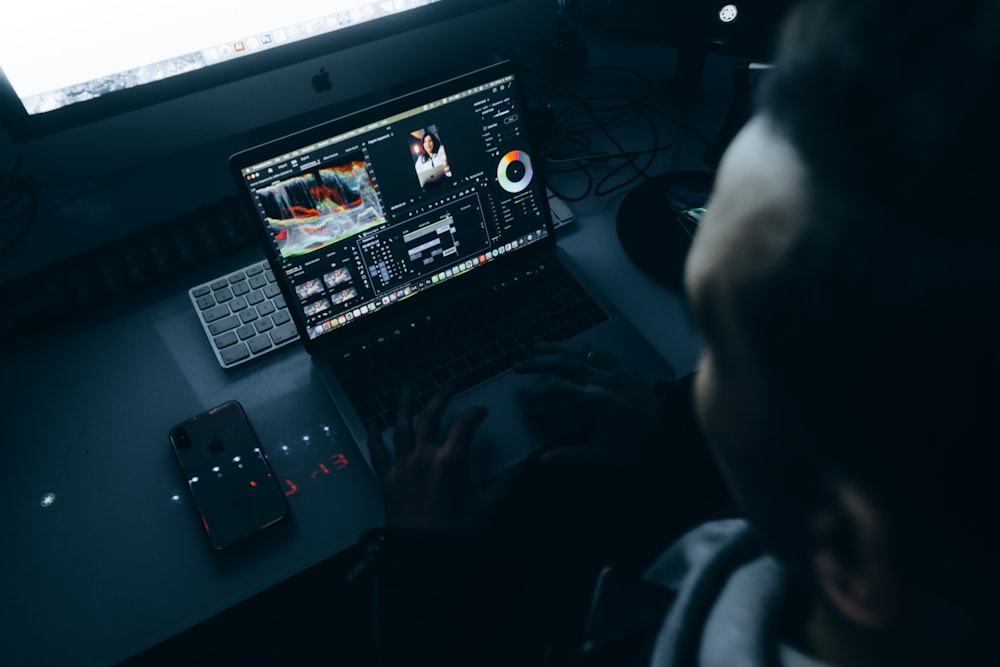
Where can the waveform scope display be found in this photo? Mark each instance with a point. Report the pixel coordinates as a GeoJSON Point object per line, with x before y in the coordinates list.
{"type": "Point", "coordinates": [312, 211]}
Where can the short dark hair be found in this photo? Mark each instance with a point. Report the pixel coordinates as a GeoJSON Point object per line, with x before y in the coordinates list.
{"type": "Point", "coordinates": [880, 325]}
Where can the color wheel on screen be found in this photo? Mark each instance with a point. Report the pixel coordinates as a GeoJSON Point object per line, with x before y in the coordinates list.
{"type": "Point", "coordinates": [514, 171]}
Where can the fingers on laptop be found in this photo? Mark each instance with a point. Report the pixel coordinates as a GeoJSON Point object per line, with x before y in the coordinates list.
{"type": "Point", "coordinates": [429, 421]}
{"type": "Point", "coordinates": [451, 449]}
{"type": "Point", "coordinates": [380, 458]}
{"type": "Point", "coordinates": [574, 361]}
{"type": "Point", "coordinates": [588, 354]}
{"type": "Point", "coordinates": [455, 450]}
{"type": "Point", "coordinates": [426, 438]}
{"type": "Point", "coordinates": [557, 390]}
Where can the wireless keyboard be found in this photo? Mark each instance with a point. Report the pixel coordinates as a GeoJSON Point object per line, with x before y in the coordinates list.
{"type": "Point", "coordinates": [243, 314]}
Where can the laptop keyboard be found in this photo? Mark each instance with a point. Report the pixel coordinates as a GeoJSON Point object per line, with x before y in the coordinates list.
{"type": "Point", "coordinates": [544, 303]}
{"type": "Point", "coordinates": [243, 314]}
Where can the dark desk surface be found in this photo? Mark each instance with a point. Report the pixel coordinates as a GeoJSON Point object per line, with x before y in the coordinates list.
{"type": "Point", "coordinates": [118, 562]}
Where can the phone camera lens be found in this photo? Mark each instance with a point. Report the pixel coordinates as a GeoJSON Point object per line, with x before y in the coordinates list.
{"type": "Point", "coordinates": [182, 438]}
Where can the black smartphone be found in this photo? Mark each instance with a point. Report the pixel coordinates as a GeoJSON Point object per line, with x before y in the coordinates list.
{"type": "Point", "coordinates": [228, 475]}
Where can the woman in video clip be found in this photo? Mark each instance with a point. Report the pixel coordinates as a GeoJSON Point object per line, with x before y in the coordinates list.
{"type": "Point", "coordinates": [433, 154]}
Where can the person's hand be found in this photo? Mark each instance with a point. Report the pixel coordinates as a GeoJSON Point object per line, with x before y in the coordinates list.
{"type": "Point", "coordinates": [428, 485]}
{"type": "Point", "coordinates": [585, 398]}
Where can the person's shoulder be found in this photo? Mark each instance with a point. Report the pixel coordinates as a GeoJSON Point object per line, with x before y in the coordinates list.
{"type": "Point", "coordinates": [698, 547]}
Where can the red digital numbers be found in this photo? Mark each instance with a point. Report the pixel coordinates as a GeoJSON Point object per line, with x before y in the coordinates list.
{"type": "Point", "coordinates": [337, 462]}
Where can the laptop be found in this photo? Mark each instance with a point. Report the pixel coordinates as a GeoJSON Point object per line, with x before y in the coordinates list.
{"type": "Point", "coordinates": [391, 284]}
{"type": "Point", "coordinates": [432, 175]}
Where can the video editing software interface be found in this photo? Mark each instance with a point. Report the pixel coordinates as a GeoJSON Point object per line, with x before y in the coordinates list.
{"type": "Point", "coordinates": [373, 216]}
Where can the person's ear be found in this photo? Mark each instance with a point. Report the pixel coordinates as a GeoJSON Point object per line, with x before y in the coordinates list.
{"type": "Point", "coordinates": [852, 559]}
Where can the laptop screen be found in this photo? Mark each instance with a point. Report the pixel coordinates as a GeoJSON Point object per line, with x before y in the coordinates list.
{"type": "Point", "coordinates": [407, 197]}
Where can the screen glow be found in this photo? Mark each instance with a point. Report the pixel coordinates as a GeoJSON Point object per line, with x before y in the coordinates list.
{"type": "Point", "coordinates": [62, 52]}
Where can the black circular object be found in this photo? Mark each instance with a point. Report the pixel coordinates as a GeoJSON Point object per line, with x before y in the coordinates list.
{"type": "Point", "coordinates": [658, 219]}
{"type": "Point", "coordinates": [515, 171]}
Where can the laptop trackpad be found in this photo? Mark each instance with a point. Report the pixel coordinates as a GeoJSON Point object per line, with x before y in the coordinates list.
{"type": "Point", "coordinates": [503, 438]}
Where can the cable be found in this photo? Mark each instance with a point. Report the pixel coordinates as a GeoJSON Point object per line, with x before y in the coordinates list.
{"type": "Point", "coordinates": [573, 198]}
{"type": "Point", "coordinates": [681, 125]}
{"type": "Point", "coordinates": [631, 94]}
{"type": "Point", "coordinates": [640, 171]}
{"type": "Point", "coordinates": [605, 99]}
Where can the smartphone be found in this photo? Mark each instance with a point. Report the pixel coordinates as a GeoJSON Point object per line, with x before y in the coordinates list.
{"type": "Point", "coordinates": [228, 475]}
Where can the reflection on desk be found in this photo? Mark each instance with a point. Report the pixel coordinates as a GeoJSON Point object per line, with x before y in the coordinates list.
{"type": "Point", "coordinates": [315, 460]}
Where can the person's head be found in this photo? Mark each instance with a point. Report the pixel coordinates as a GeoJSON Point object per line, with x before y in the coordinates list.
{"type": "Point", "coordinates": [845, 279]}
{"type": "Point", "coordinates": [430, 144]}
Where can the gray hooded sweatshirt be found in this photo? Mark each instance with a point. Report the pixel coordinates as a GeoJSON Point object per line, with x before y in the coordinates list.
{"type": "Point", "coordinates": [727, 605]}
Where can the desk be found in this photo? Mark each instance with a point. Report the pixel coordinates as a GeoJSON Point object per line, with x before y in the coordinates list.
{"type": "Point", "coordinates": [116, 563]}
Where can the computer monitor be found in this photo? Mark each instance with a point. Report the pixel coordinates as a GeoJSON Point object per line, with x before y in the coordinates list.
{"type": "Point", "coordinates": [126, 112]}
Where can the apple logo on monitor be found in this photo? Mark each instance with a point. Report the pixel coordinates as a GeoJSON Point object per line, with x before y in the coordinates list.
{"type": "Point", "coordinates": [321, 81]}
